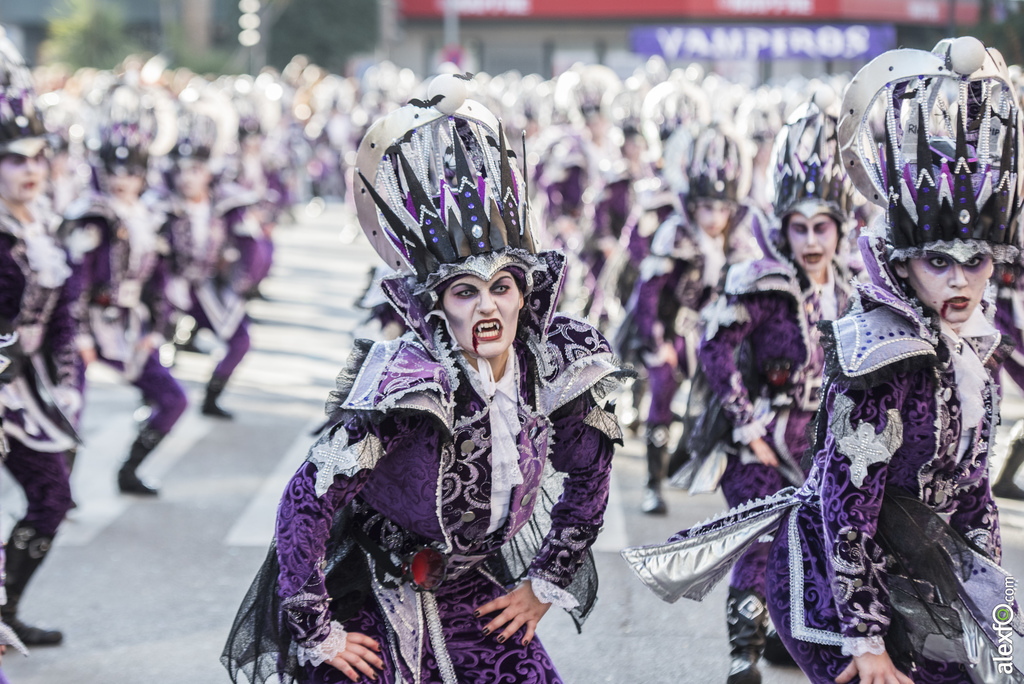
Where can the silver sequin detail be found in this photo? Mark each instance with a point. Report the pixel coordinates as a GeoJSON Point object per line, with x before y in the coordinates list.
{"type": "Point", "coordinates": [333, 455]}
{"type": "Point", "coordinates": [797, 624]}
{"type": "Point", "coordinates": [605, 422]}
{"type": "Point", "coordinates": [861, 445]}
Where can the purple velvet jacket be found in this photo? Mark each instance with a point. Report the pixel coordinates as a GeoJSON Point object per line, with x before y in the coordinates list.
{"type": "Point", "coordinates": [766, 325]}
{"type": "Point", "coordinates": [408, 451]}
{"type": "Point", "coordinates": [44, 318]}
{"type": "Point", "coordinates": [112, 275]}
{"type": "Point", "coordinates": [893, 427]}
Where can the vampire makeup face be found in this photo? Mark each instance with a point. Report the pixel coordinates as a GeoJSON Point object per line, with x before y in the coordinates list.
{"type": "Point", "coordinates": [192, 179]}
{"type": "Point", "coordinates": [484, 316]}
{"type": "Point", "coordinates": [944, 285]}
{"type": "Point", "coordinates": [126, 186]}
{"type": "Point", "coordinates": [22, 178]}
{"type": "Point", "coordinates": [712, 216]}
{"type": "Point", "coordinates": [813, 242]}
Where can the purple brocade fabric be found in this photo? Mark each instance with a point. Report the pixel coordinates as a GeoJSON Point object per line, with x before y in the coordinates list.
{"type": "Point", "coordinates": [772, 334]}
{"type": "Point", "coordinates": [476, 658]}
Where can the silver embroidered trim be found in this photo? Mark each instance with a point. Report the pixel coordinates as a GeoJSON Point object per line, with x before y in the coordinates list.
{"type": "Point", "coordinates": [960, 250]}
{"type": "Point", "coordinates": [485, 266]}
{"type": "Point", "coordinates": [797, 624]}
{"type": "Point", "coordinates": [437, 640]}
{"type": "Point", "coordinates": [605, 422]}
{"type": "Point", "coordinates": [333, 455]}
{"type": "Point", "coordinates": [861, 445]}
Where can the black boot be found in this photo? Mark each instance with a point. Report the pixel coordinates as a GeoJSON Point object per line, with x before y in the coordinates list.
{"type": "Point", "coordinates": [775, 651]}
{"type": "Point", "coordinates": [1004, 486]}
{"type": "Point", "coordinates": [213, 392]}
{"type": "Point", "coordinates": [127, 481]}
{"type": "Point", "coordinates": [653, 503]}
{"type": "Point", "coordinates": [746, 617]}
{"type": "Point", "coordinates": [25, 552]}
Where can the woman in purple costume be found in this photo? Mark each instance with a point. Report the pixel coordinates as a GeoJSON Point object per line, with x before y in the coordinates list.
{"type": "Point", "coordinates": [885, 563]}
{"type": "Point", "coordinates": [113, 239]}
{"type": "Point", "coordinates": [37, 291]}
{"type": "Point", "coordinates": [689, 253]}
{"type": "Point", "coordinates": [761, 357]}
{"type": "Point", "coordinates": [213, 241]}
{"type": "Point", "coordinates": [464, 474]}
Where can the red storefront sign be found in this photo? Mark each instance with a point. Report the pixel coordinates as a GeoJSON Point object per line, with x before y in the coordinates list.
{"type": "Point", "coordinates": [932, 12]}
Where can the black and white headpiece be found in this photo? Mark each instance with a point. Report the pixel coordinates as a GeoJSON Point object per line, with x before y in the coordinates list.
{"type": "Point", "coordinates": [720, 166]}
{"type": "Point", "coordinates": [807, 173]}
{"type": "Point", "coordinates": [21, 130]}
{"type": "Point", "coordinates": [947, 168]}
{"type": "Point", "coordinates": [441, 193]}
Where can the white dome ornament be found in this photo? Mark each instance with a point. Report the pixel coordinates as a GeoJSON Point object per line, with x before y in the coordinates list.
{"type": "Point", "coordinates": [966, 55]}
{"type": "Point", "coordinates": [452, 90]}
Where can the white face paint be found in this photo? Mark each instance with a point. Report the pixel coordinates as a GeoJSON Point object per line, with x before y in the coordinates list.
{"type": "Point", "coordinates": [712, 216]}
{"type": "Point", "coordinates": [192, 180]}
{"type": "Point", "coordinates": [944, 285]}
{"type": "Point", "coordinates": [484, 316]}
{"type": "Point", "coordinates": [813, 242]}
{"type": "Point", "coordinates": [22, 178]}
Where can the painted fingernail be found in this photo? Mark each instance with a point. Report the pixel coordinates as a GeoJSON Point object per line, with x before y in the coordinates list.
{"type": "Point", "coordinates": [486, 631]}
{"type": "Point", "coordinates": [526, 642]}
{"type": "Point", "coordinates": [476, 613]}
{"type": "Point", "coordinates": [501, 640]}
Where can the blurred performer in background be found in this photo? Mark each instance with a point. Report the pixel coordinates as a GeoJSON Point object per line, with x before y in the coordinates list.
{"type": "Point", "coordinates": [213, 240]}
{"type": "Point", "coordinates": [761, 357]}
{"type": "Point", "coordinates": [689, 254]}
{"type": "Point", "coordinates": [37, 293]}
{"type": "Point", "coordinates": [113, 239]}
{"type": "Point", "coordinates": [465, 472]}
{"type": "Point", "coordinates": [9, 370]}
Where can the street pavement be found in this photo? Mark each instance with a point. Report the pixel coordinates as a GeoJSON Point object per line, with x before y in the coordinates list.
{"type": "Point", "coordinates": [146, 590]}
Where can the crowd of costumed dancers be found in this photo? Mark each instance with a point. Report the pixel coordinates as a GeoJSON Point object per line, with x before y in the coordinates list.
{"type": "Point", "coordinates": [812, 285]}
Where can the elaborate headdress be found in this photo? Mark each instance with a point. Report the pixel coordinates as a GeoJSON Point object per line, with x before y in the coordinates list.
{"type": "Point", "coordinates": [127, 127]}
{"type": "Point", "coordinates": [948, 167]}
{"type": "Point", "coordinates": [807, 173]}
{"type": "Point", "coordinates": [206, 123]}
{"type": "Point", "coordinates": [21, 131]}
{"type": "Point", "coordinates": [441, 192]}
{"type": "Point", "coordinates": [720, 166]}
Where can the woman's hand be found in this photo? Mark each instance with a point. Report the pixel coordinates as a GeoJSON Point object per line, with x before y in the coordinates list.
{"type": "Point", "coordinates": [519, 607]}
{"type": "Point", "coordinates": [873, 669]}
{"type": "Point", "coordinates": [88, 355]}
{"type": "Point", "coordinates": [764, 453]}
{"type": "Point", "coordinates": [360, 654]}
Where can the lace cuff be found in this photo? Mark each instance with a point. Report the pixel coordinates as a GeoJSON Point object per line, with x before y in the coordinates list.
{"type": "Point", "coordinates": [546, 592]}
{"type": "Point", "coordinates": [858, 646]}
{"type": "Point", "coordinates": [328, 649]}
{"type": "Point", "coordinates": [758, 425]}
